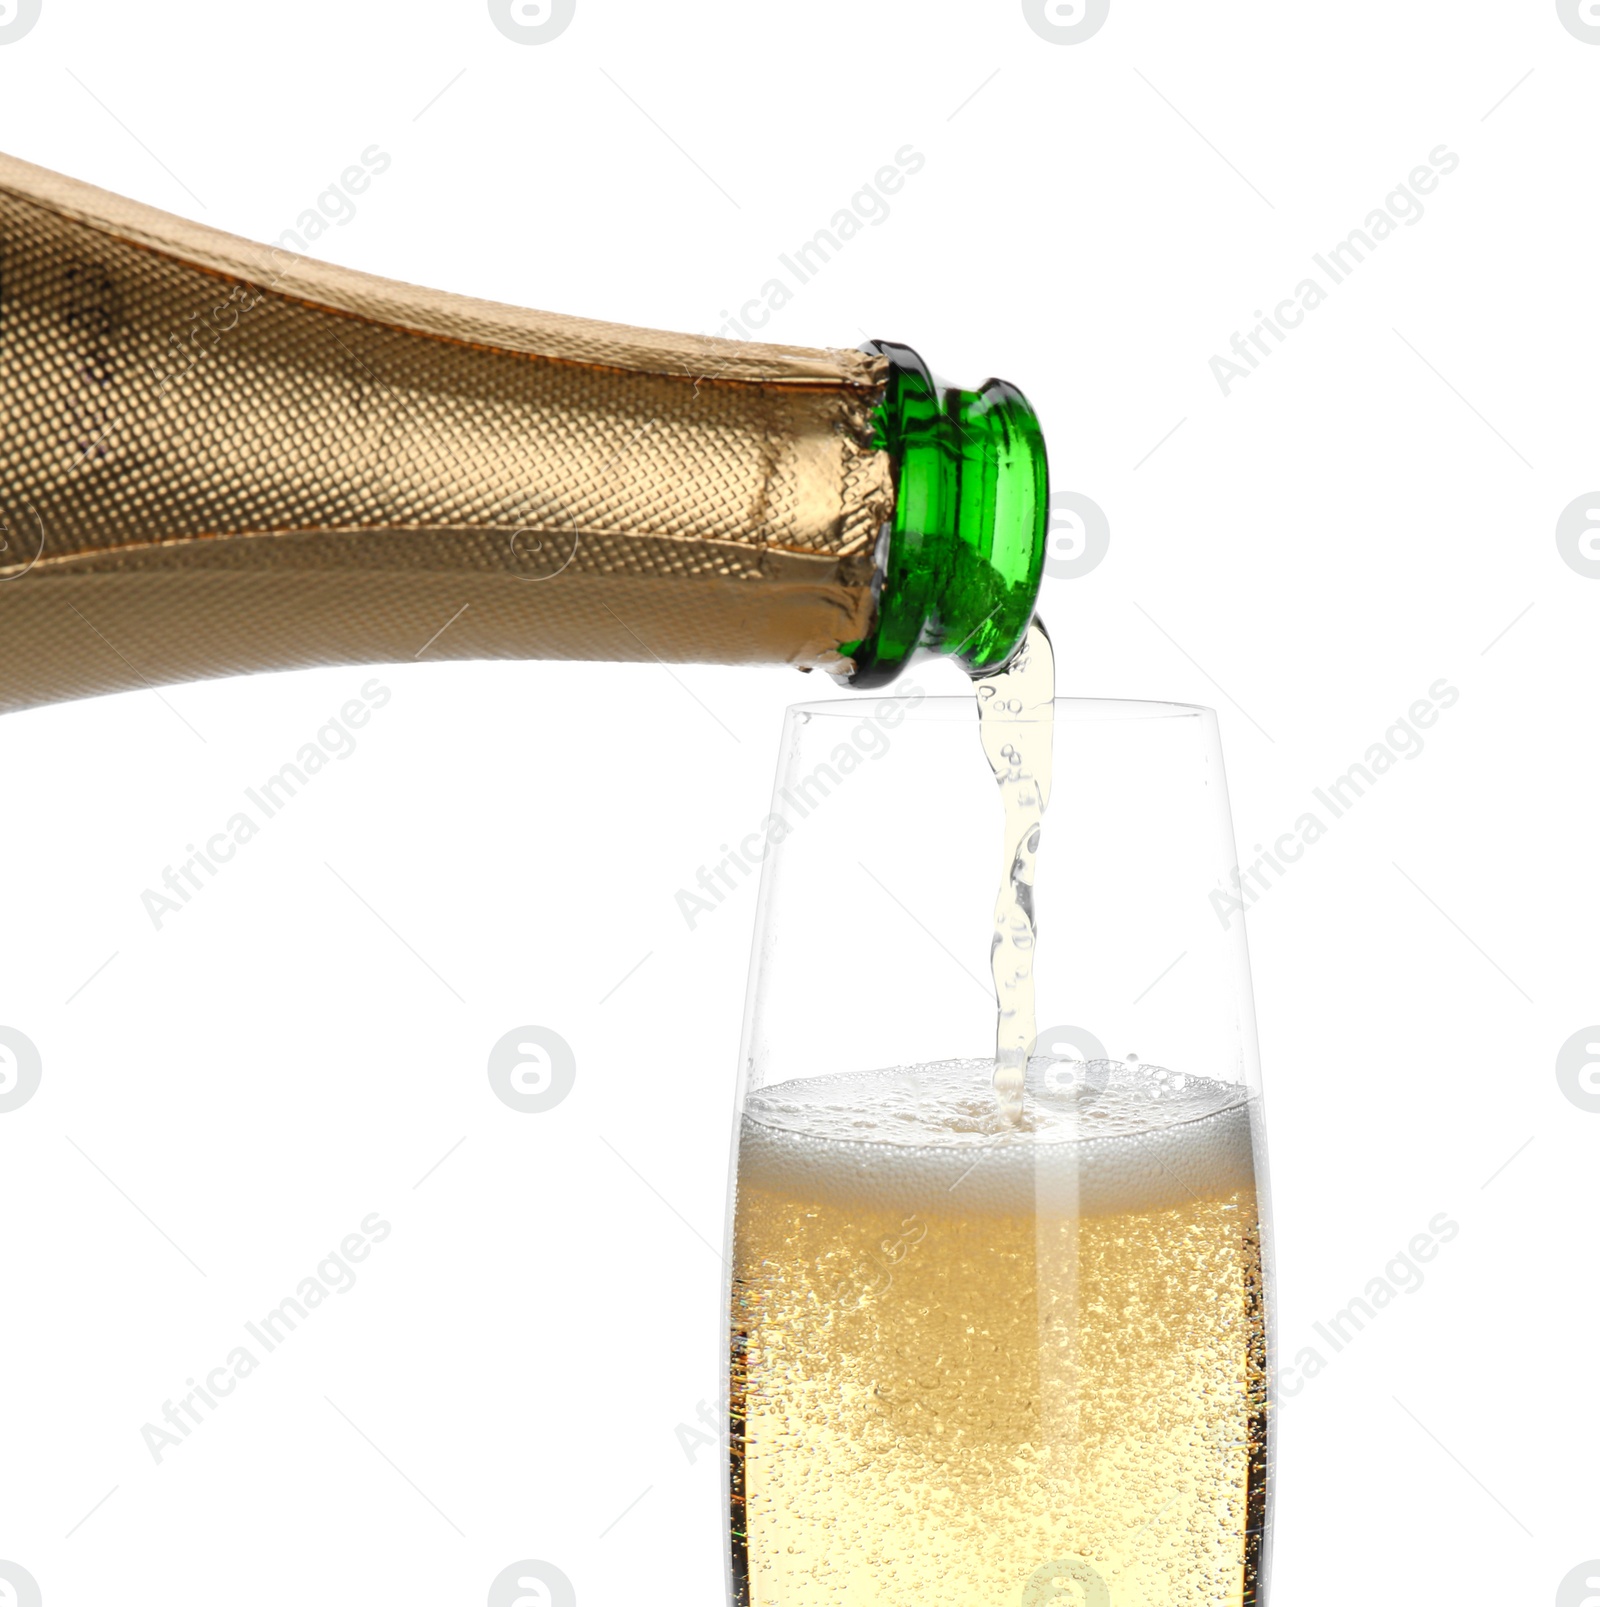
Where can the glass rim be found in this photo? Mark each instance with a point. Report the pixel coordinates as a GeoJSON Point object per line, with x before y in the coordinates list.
{"type": "Point", "coordinates": [944, 706]}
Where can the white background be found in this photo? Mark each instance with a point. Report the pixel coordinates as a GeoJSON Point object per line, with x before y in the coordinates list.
{"type": "Point", "coordinates": [1372, 510]}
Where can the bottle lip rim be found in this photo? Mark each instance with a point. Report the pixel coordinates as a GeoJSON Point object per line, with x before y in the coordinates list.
{"type": "Point", "coordinates": [1082, 710]}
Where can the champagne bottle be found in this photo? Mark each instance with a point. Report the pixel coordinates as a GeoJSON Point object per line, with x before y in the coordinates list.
{"type": "Point", "coordinates": [219, 457]}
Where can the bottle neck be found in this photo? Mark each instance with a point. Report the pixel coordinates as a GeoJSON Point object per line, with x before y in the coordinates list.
{"type": "Point", "coordinates": [966, 545]}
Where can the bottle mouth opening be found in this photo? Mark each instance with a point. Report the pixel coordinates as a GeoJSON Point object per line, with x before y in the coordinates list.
{"type": "Point", "coordinates": [966, 542]}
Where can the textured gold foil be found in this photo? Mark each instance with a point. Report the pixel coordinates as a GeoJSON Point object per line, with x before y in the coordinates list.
{"type": "Point", "coordinates": [218, 457]}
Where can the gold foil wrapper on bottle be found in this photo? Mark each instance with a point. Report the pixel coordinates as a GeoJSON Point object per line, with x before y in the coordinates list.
{"type": "Point", "coordinates": [219, 457]}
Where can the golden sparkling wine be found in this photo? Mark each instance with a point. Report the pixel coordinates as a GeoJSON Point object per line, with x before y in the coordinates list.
{"type": "Point", "coordinates": [985, 1358]}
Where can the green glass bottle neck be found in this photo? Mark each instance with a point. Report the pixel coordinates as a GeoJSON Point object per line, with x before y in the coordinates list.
{"type": "Point", "coordinates": [965, 549]}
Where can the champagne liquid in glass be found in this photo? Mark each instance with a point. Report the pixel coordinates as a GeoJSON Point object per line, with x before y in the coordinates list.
{"type": "Point", "coordinates": [1016, 718]}
{"type": "Point", "coordinates": [999, 1328]}
{"type": "Point", "coordinates": [987, 1368]}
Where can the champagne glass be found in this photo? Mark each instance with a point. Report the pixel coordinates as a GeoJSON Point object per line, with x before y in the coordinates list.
{"type": "Point", "coordinates": [978, 1357]}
